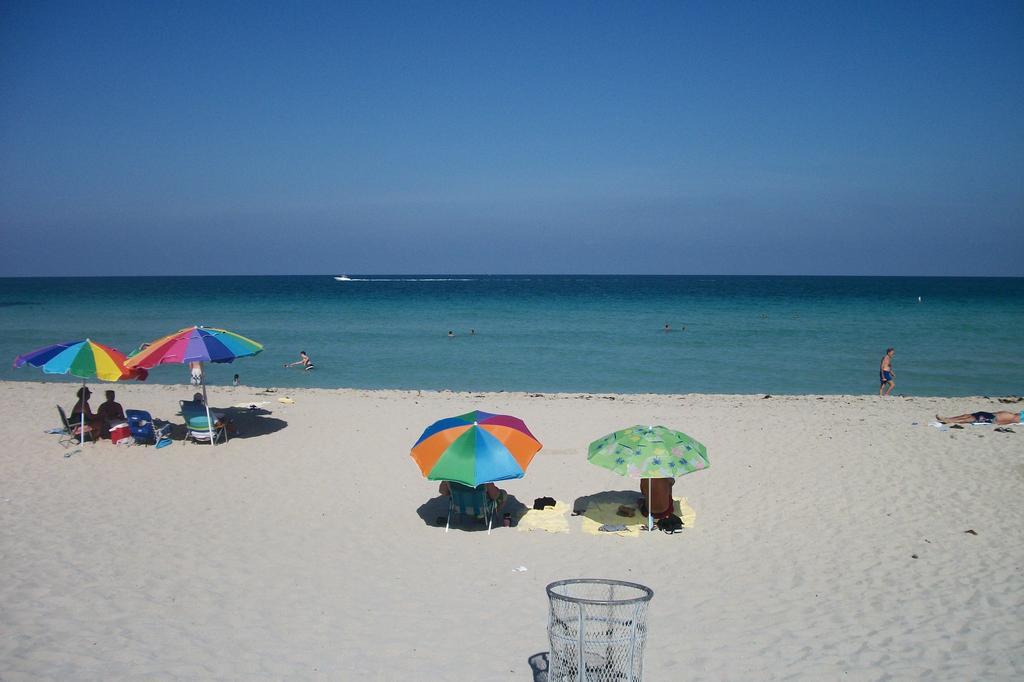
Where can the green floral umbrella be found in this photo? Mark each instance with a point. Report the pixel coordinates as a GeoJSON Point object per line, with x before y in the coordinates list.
{"type": "Point", "coordinates": [649, 452]}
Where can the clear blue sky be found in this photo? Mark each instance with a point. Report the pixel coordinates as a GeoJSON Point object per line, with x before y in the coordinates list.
{"type": "Point", "coordinates": [519, 137]}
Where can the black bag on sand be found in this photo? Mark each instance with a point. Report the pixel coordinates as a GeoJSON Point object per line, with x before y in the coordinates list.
{"type": "Point", "coordinates": [670, 524]}
{"type": "Point", "coordinates": [542, 502]}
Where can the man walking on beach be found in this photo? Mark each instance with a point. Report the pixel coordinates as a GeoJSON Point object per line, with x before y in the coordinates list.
{"type": "Point", "coordinates": [886, 374]}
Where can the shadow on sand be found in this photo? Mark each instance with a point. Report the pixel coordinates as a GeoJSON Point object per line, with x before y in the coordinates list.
{"type": "Point", "coordinates": [248, 423]}
{"type": "Point", "coordinates": [539, 666]}
{"type": "Point", "coordinates": [434, 512]}
{"type": "Point", "coordinates": [252, 423]}
{"type": "Point", "coordinates": [626, 497]}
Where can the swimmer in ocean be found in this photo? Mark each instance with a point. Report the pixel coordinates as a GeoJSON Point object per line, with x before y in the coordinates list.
{"type": "Point", "coordinates": [303, 360]}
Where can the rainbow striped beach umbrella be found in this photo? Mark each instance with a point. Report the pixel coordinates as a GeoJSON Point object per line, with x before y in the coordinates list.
{"type": "Point", "coordinates": [474, 448]}
{"type": "Point", "coordinates": [84, 359]}
{"type": "Point", "coordinates": [195, 344]}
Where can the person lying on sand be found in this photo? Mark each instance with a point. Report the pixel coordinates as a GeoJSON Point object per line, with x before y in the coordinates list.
{"type": "Point", "coordinates": [1000, 417]}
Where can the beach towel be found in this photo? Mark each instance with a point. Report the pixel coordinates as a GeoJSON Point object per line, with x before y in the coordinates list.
{"type": "Point", "coordinates": [599, 514]}
{"type": "Point", "coordinates": [553, 520]}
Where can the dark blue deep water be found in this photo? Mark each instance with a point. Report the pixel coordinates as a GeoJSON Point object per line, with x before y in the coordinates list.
{"type": "Point", "coordinates": [555, 333]}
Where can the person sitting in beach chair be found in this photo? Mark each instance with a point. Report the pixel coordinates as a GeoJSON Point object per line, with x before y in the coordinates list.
{"type": "Point", "coordinates": [197, 423]}
{"type": "Point", "coordinates": [111, 413]}
{"type": "Point", "coordinates": [73, 432]}
{"type": "Point", "coordinates": [110, 410]}
{"type": "Point", "coordinates": [94, 425]}
{"type": "Point", "coordinates": [482, 502]}
{"type": "Point", "coordinates": [657, 493]}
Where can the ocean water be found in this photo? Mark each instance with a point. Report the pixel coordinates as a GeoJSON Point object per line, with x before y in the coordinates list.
{"type": "Point", "coordinates": [780, 335]}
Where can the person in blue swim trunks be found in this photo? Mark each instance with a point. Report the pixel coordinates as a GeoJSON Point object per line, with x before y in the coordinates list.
{"type": "Point", "coordinates": [1001, 418]}
{"type": "Point", "coordinates": [886, 374]}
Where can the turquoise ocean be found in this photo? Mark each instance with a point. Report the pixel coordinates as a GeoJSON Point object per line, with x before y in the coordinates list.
{"type": "Point", "coordinates": [780, 335]}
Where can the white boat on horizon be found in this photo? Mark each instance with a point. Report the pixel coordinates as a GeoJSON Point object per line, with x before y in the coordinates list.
{"type": "Point", "coordinates": [343, 278]}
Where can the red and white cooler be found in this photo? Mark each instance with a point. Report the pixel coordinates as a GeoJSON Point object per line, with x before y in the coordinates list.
{"type": "Point", "coordinates": [120, 434]}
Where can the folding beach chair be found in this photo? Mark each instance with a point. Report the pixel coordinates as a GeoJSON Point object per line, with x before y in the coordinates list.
{"type": "Point", "coordinates": [142, 428]}
{"type": "Point", "coordinates": [197, 424]}
{"type": "Point", "coordinates": [71, 433]}
{"type": "Point", "coordinates": [471, 502]}
{"type": "Point", "coordinates": [220, 434]}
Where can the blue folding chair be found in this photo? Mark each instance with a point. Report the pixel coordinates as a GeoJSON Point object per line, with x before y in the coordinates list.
{"type": "Point", "coordinates": [140, 424]}
{"type": "Point", "coordinates": [473, 502]}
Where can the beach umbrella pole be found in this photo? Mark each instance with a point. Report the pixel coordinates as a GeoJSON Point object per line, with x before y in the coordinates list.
{"type": "Point", "coordinates": [206, 404]}
{"type": "Point", "coordinates": [650, 512]}
{"type": "Point", "coordinates": [81, 414]}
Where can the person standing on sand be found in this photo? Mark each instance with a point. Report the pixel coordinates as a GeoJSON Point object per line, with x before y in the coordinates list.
{"type": "Point", "coordinates": [195, 370]}
{"type": "Point", "coordinates": [886, 374]}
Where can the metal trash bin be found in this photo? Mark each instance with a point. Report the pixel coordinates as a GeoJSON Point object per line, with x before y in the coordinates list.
{"type": "Point", "coordinates": [597, 629]}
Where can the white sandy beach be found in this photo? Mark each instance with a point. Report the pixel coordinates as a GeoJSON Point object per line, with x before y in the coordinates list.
{"type": "Point", "coordinates": [302, 550]}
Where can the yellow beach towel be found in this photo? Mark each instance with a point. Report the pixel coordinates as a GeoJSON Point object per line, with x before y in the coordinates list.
{"type": "Point", "coordinates": [599, 514]}
{"type": "Point", "coordinates": [554, 520]}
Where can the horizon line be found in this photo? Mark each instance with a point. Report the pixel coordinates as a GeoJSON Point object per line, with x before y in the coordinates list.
{"type": "Point", "coordinates": [524, 274]}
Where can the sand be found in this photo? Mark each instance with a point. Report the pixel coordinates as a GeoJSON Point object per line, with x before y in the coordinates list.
{"type": "Point", "coordinates": [830, 542]}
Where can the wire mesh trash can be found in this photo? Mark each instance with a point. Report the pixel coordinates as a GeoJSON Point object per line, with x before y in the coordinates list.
{"type": "Point", "coordinates": [597, 629]}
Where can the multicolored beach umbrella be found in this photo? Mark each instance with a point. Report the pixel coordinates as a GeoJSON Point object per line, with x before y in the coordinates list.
{"type": "Point", "coordinates": [195, 344]}
{"type": "Point", "coordinates": [84, 359]}
{"type": "Point", "coordinates": [474, 448]}
{"type": "Point", "coordinates": [649, 452]}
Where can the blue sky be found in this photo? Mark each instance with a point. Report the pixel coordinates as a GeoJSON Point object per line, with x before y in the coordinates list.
{"type": "Point", "coordinates": [426, 137]}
